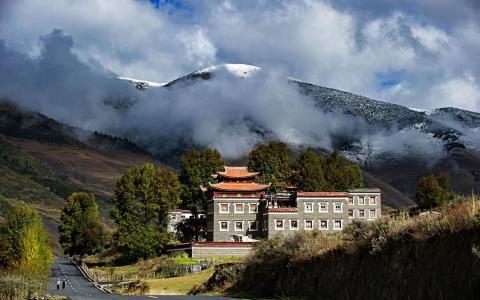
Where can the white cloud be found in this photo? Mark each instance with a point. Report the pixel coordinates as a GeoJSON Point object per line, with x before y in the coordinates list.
{"type": "Point", "coordinates": [317, 41]}
{"type": "Point", "coordinates": [128, 37]}
{"type": "Point", "coordinates": [457, 92]}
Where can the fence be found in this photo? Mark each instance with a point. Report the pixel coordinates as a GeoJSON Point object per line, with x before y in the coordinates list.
{"type": "Point", "coordinates": [180, 270]}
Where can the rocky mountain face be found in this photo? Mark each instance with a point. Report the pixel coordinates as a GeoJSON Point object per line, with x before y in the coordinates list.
{"type": "Point", "coordinates": [450, 132]}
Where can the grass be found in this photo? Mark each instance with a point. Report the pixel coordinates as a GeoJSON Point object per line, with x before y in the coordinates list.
{"type": "Point", "coordinates": [178, 285]}
{"type": "Point", "coordinates": [148, 265]}
{"type": "Point", "coordinates": [18, 186]}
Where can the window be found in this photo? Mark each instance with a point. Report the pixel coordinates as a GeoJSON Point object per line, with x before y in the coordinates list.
{"type": "Point", "coordinates": [361, 200]}
{"type": "Point", "coordinates": [323, 207]}
{"type": "Point", "coordinates": [361, 213]}
{"type": "Point", "coordinates": [253, 207]}
{"type": "Point", "coordinates": [252, 225]}
{"type": "Point", "coordinates": [337, 224]}
{"type": "Point", "coordinates": [350, 200]}
{"type": "Point", "coordinates": [337, 207]}
{"type": "Point", "coordinates": [223, 225]}
{"type": "Point", "coordinates": [350, 213]}
{"type": "Point", "coordinates": [308, 224]}
{"type": "Point", "coordinates": [238, 208]}
{"type": "Point", "coordinates": [323, 224]}
{"type": "Point", "coordinates": [223, 208]}
{"type": "Point", "coordinates": [293, 224]}
{"type": "Point", "coordinates": [373, 214]}
{"type": "Point", "coordinates": [278, 224]}
{"type": "Point", "coordinates": [373, 200]}
{"type": "Point", "coordinates": [308, 207]}
{"type": "Point", "coordinates": [238, 225]}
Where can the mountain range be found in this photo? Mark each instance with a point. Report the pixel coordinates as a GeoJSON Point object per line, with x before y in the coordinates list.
{"type": "Point", "coordinates": [58, 158]}
{"type": "Point", "coordinates": [451, 134]}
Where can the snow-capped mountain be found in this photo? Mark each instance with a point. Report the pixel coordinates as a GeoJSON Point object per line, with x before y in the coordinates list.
{"type": "Point", "coordinates": [379, 114]}
{"type": "Point", "coordinates": [142, 84]}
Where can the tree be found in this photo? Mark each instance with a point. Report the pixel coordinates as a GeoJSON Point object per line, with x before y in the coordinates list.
{"type": "Point", "coordinates": [24, 244]}
{"type": "Point", "coordinates": [273, 160]}
{"type": "Point", "coordinates": [340, 174]}
{"type": "Point", "coordinates": [143, 200]}
{"type": "Point", "coordinates": [310, 175]}
{"type": "Point", "coordinates": [191, 229]}
{"type": "Point", "coordinates": [81, 229]}
{"type": "Point", "coordinates": [196, 169]}
{"type": "Point", "coordinates": [432, 191]}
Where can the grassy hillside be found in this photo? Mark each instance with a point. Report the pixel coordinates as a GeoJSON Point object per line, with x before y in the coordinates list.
{"type": "Point", "coordinates": [403, 173]}
{"type": "Point", "coordinates": [429, 256]}
{"type": "Point", "coordinates": [42, 161]}
{"type": "Point", "coordinates": [17, 186]}
{"type": "Point", "coordinates": [61, 157]}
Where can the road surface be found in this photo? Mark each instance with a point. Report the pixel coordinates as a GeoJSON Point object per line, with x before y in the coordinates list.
{"type": "Point", "coordinates": [79, 288]}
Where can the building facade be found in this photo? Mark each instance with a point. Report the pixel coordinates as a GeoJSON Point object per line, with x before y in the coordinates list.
{"type": "Point", "coordinates": [240, 210]}
{"type": "Point", "coordinates": [180, 215]}
{"type": "Point", "coordinates": [233, 211]}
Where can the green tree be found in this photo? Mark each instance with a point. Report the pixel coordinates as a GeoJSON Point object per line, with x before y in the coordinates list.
{"type": "Point", "coordinates": [273, 160]}
{"type": "Point", "coordinates": [24, 244]}
{"type": "Point", "coordinates": [310, 175]}
{"type": "Point", "coordinates": [143, 200]}
{"type": "Point", "coordinates": [432, 191]}
{"type": "Point", "coordinates": [340, 174]}
{"type": "Point", "coordinates": [196, 169]}
{"type": "Point", "coordinates": [81, 230]}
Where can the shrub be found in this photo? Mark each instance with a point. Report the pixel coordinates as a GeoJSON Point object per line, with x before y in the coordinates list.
{"type": "Point", "coordinates": [169, 267]}
{"type": "Point", "coordinates": [447, 219]}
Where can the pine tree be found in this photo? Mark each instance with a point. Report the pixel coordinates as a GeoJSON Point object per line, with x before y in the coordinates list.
{"type": "Point", "coordinates": [196, 169]}
{"type": "Point", "coordinates": [433, 191]}
{"type": "Point", "coordinates": [340, 174]}
{"type": "Point", "coordinates": [310, 176]}
{"type": "Point", "coordinates": [273, 160]}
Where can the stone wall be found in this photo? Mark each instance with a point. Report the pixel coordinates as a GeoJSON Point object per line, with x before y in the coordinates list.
{"type": "Point", "coordinates": [203, 252]}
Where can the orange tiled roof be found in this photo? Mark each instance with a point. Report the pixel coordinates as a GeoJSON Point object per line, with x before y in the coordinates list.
{"type": "Point", "coordinates": [240, 187]}
{"type": "Point", "coordinates": [322, 194]}
{"type": "Point", "coordinates": [237, 172]}
{"type": "Point", "coordinates": [283, 209]}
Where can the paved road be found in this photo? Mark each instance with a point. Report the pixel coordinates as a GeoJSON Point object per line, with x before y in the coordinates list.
{"type": "Point", "coordinates": [79, 288]}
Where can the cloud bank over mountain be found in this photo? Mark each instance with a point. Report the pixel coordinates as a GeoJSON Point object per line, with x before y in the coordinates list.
{"type": "Point", "coordinates": [416, 53]}
{"type": "Point", "coordinates": [59, 59]}
{"type": "Point", "coordinates": [228, 112]}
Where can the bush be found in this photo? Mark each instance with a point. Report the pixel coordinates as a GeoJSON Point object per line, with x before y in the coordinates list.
{"type": "Point", "coordinates": [138, 287]}
{"type": "Point", "coordinates": [169, 267]}
{"type": "Point", "coordinates": [447, 219]}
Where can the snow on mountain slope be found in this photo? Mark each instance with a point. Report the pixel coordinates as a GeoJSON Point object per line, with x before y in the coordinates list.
{"type": "Point", "coordinates": [379, 115]}
{"type": "Point", "coordinates": [142, 84]}
{"type": "Point", "coordinates": [237, 70]}
{"type": "Point", "coordinates": [467, 118]}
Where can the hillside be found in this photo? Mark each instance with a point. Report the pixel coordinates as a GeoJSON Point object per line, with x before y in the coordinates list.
{"type": "Point", "coordinates": [42, 161]}
{"type": "Point", "coordinates": [63, 158]}
{"type": "Point", "coordinates": [429, 256]}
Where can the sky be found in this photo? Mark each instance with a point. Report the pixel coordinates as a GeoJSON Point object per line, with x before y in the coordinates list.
{"type": "Point", "coordinates": [62, 58]}
{"type": "Point", "coordinates": [418, 53]}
